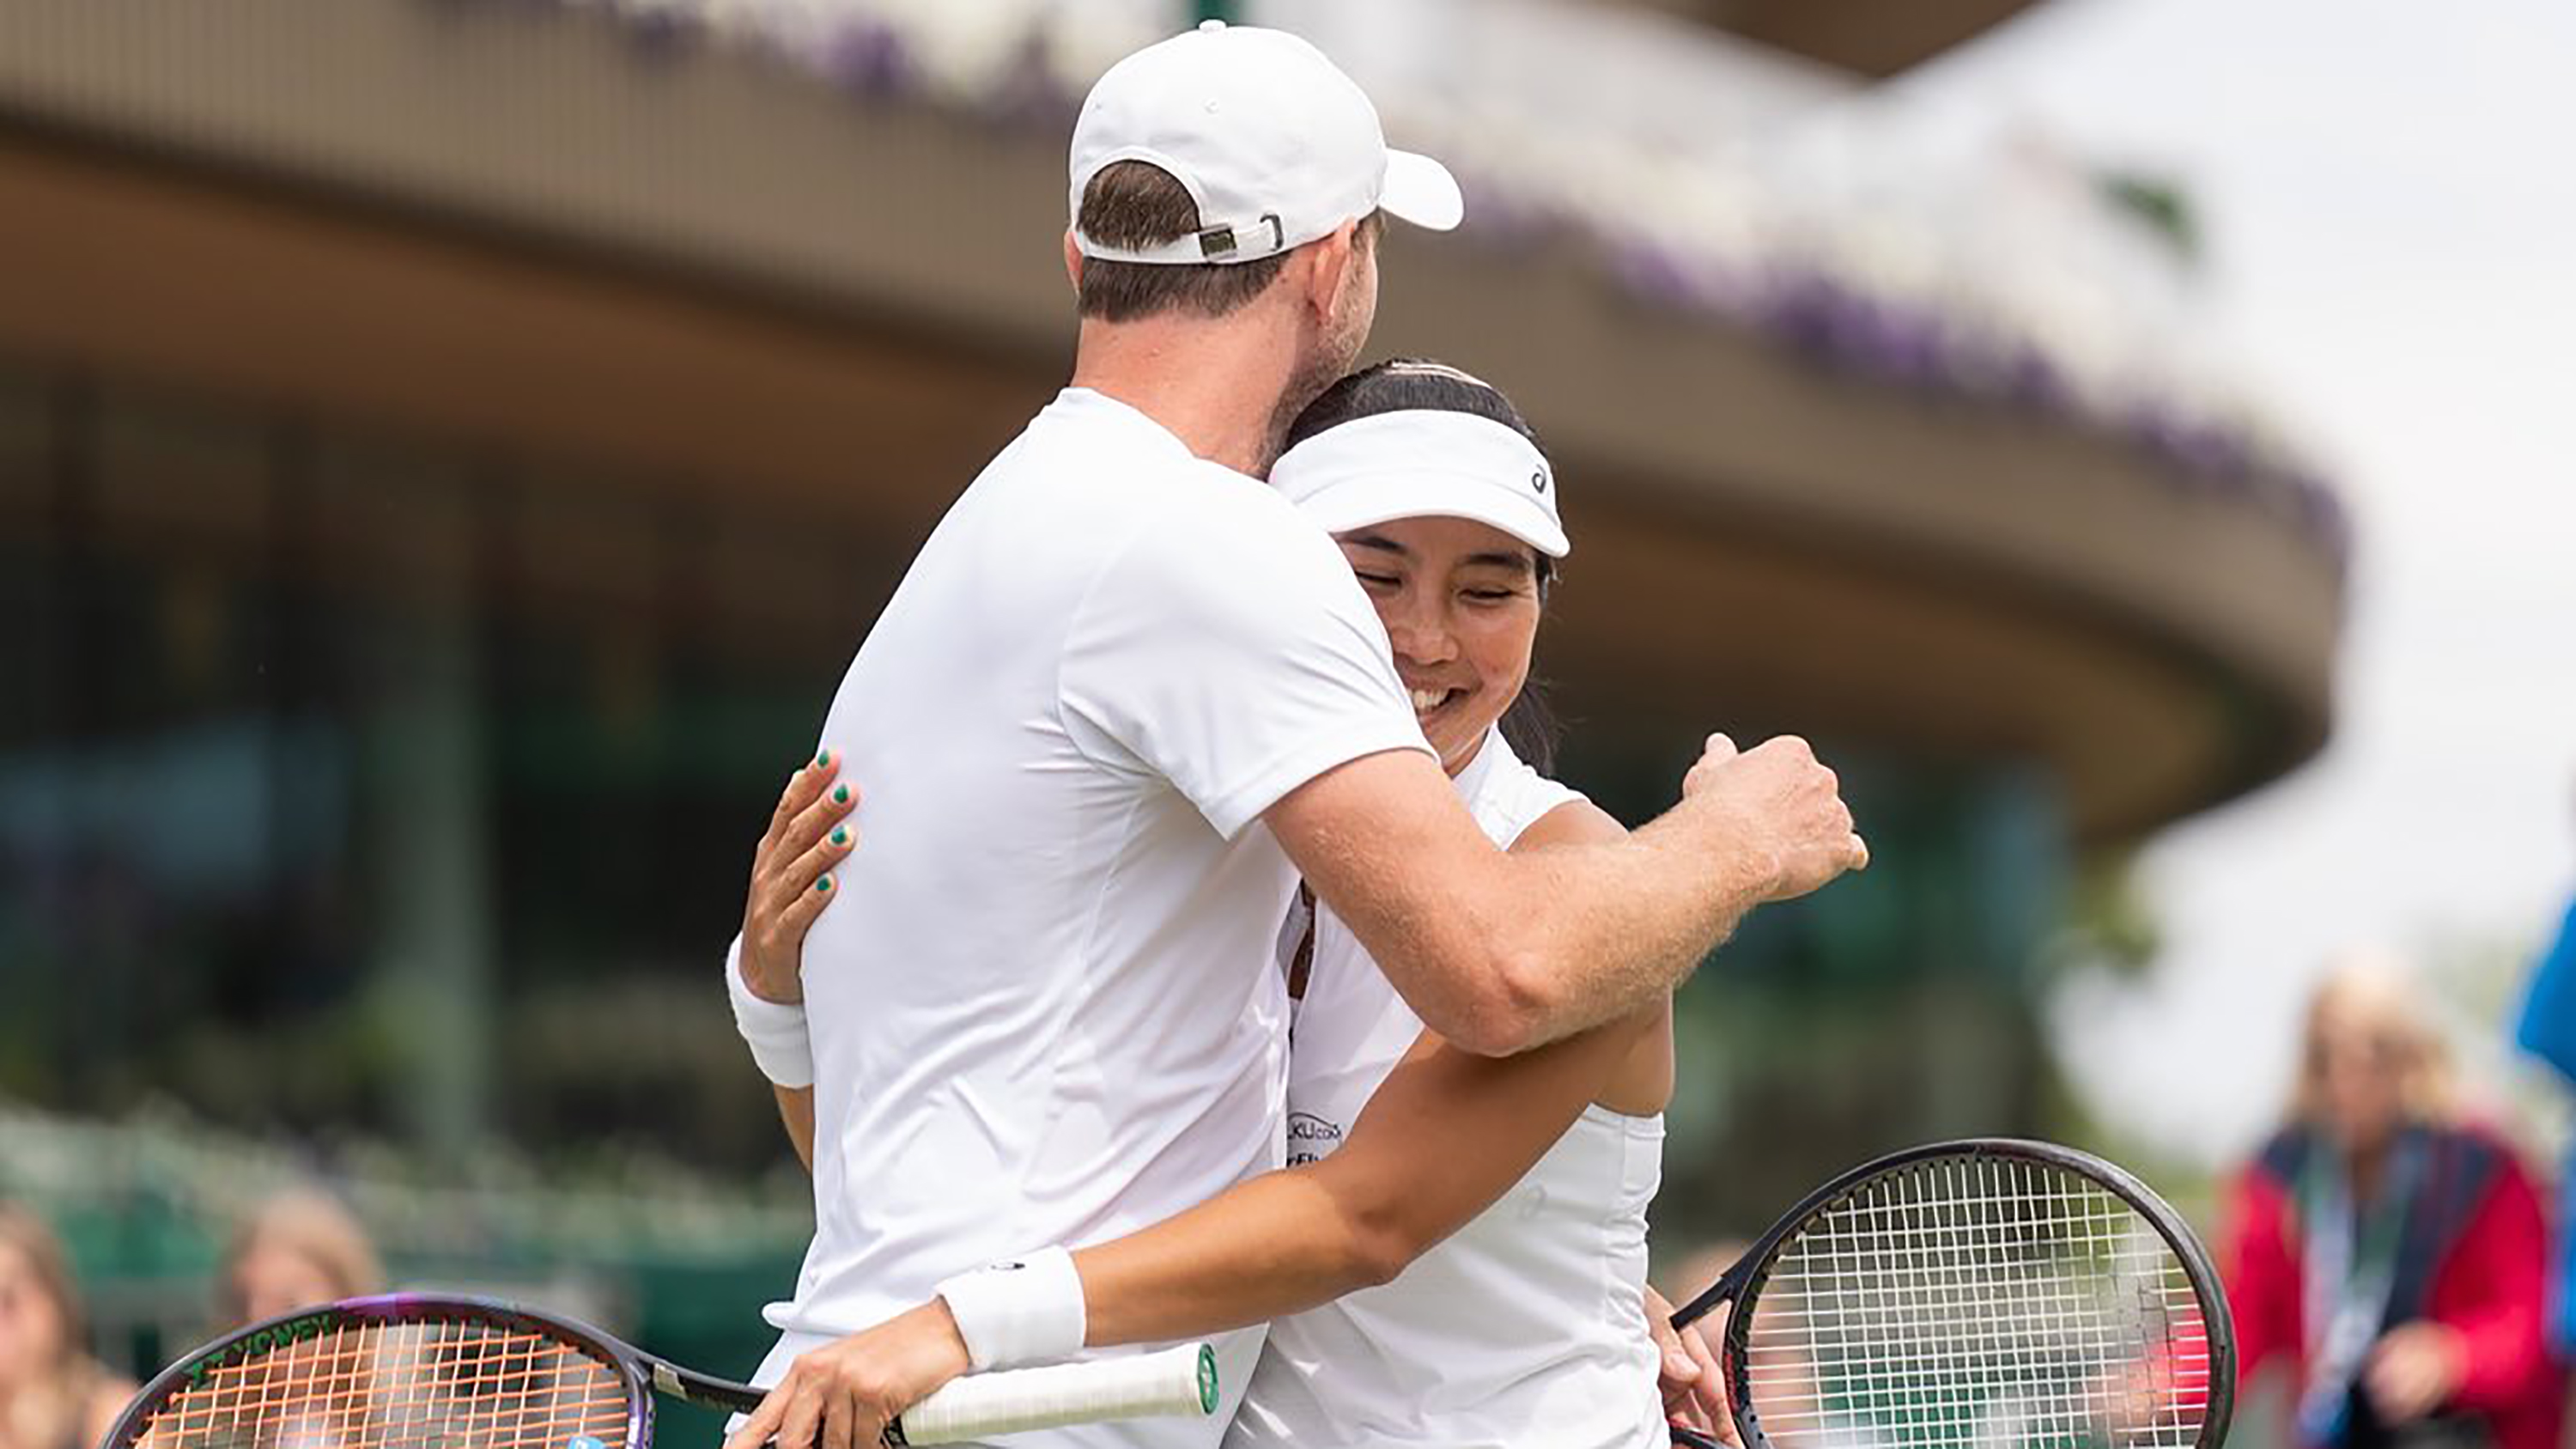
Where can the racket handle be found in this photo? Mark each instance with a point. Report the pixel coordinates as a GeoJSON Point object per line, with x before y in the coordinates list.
{"type": "Point", "coordinates": [1174, 1381]}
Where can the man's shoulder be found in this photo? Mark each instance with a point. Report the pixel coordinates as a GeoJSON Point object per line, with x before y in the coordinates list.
{"type": "Point", "coordinates": [1215, 496]}
{"type": "Point", "coordinates": [1209, 523]}
{"type": "Point", "coordinates": [1123, 473]}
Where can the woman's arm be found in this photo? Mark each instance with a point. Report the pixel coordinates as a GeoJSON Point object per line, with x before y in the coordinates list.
{"type": "Point", "coordinates": [106, 1401]}
{"type": "Point", "coordinates": [2502, 1261]}
{"type": "Point", "coordinates": [1444, 1137]}
{"type": "Point", "coordinates": [2260, 1270]}
{"type": "Point", "coordinates": [791, 883]}
{"type": "Point", "coordinates": [796, 1114]}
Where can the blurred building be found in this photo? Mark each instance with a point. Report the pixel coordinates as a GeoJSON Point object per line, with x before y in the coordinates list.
{"type": "Point", "coordinates": [449, 447]}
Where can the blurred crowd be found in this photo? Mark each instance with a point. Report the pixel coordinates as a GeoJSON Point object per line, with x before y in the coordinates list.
{"type": "Point", "coordinates": [296, 1248]}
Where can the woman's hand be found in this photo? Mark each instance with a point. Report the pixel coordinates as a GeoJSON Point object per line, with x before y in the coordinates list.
{"type": "Point", "coordinates": [842, 1395]}
{"type": "Point", "coordinates": [791, 876]}
{"type": "Point", "coordinates": [2412, 1371]}
{"type": "Point", "coordinates": [1694, 1388]}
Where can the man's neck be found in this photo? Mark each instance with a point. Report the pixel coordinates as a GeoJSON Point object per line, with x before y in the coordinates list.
{"type": "Point", "coordinates": [1214, 385]}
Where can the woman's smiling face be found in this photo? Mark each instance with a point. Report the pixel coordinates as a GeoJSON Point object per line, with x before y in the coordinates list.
{"type": "Point", "coordinates": [1460, 602]}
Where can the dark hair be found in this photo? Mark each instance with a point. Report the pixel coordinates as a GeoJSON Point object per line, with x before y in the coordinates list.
{"type": "Point", "coordinates": [1138, 204]}
{"type": "Point", "coordinates": [1415, 384]}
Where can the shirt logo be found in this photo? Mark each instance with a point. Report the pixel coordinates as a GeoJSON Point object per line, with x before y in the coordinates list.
{"type": "Point", "coordinates": [1311, 1138]}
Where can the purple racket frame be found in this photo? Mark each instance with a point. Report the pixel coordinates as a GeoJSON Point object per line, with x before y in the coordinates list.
{"type": "Point", "coordinates": [641, 1374]}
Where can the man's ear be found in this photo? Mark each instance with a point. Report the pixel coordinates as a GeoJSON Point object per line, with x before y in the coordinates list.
{"type": "Point", "coordinates": [1332, 263]}
{"type": "Point", "coordinates": [1072, 261]}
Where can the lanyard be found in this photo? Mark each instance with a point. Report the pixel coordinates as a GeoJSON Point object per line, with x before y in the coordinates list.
{"type": "Point", "coordinates": [2350, 1271]}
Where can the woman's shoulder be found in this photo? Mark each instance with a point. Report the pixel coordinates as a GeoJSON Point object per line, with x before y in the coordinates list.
{"type": "Point", "coordinates": [2480, 1150]}
{"type": "Point", "coordinates": [1519, 806]}
{"type": "Point", "coordinates": [2284, 1155]}
{"type": "Point", "coordinates": [1573, 820]}
{"type": "Point", "coordinates": [108, 1395]}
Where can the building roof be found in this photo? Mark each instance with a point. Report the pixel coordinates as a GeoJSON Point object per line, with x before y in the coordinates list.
{"type": "Point", "coordinates": [1819, 484]}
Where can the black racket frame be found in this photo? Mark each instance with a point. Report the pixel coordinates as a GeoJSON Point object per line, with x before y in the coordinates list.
{"type": "Point", "coordinates": [1742, 1283]}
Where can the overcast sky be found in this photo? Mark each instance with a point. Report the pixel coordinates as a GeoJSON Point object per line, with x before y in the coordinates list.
{"type": "Point", "coordinates": [2390, 199]}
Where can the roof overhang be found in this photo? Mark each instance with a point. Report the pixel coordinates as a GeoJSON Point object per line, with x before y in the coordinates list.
{"type": "Point", "coordinates": [737, 281]}
{"type": "Point", "coordinates": [1869, 37]}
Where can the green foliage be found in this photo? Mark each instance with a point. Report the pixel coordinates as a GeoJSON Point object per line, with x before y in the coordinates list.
{"type": "Point", "coordinates": [2158, 203]}
{"type": "Point", "coordinates": [2108, 922]}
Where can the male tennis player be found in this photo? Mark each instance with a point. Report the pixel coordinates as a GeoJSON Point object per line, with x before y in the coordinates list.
{"type": "Point", "coordinates": [1124, 697]}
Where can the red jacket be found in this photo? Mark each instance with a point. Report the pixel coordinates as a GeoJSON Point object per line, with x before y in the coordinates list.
{"type": "Point", "coordinates": [2481, 1234]}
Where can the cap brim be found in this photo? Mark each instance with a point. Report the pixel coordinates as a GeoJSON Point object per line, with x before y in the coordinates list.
{"type": "Point", "coordinates": [1421, 191]}
{"type": "Point", "coordinates": [1359, 503]}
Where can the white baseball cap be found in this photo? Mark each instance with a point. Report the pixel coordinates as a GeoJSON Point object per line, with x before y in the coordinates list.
{"type": "Point", "coordinates": [1424, 463]}
{"type": "Point", "coordinates": [1276, 145]}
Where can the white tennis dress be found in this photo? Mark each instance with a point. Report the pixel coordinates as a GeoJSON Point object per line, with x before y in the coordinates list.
{"type": "Point", "coordinates": [1525, 1330]}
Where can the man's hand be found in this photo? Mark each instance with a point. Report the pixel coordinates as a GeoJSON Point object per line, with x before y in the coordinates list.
{"type": "Point", "coordinates": [842, 1395]}
{"type": "Point", "coordinates": [1776, 800]}
{"type": "Point", "coordinates": [2413, 1371]}
{"type": "Point", "coordinates": [791, 880]}
{"type": "Point", "coordinates": [1694, 1388]}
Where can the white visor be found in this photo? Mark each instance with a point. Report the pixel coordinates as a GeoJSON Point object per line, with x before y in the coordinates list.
{"type": "Point", "coordinates": [1424, 463]}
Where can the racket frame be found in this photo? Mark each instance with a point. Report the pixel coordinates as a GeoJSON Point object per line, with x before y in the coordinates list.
{"type": "Point", "coordinates": [1742, 1283]}
{"type": "Point", "coordinates": [642, 1374]}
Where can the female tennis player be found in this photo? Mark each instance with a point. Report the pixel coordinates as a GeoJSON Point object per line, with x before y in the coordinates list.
{"type": "Point", "coordinates": [1511, 1195]}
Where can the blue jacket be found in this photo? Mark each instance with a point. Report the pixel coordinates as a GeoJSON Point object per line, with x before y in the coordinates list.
{"type": "Point", "coordinates": [2548, 1031]}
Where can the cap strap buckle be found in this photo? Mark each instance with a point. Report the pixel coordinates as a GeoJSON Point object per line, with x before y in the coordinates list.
{"type": "Point", "coordinates": [1217, 243]}
{"type": "Point", "coordinates": [1221, 244]}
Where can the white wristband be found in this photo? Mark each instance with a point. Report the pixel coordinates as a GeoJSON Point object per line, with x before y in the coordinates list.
{"type": "Point", "coordinates": [775, 1030]}
{"type": "Point", "coordinates": [1013, 1314]}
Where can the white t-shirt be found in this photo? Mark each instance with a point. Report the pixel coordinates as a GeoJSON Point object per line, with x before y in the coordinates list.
{"type": "Point", "coordinates": [1045, 1010]}
{"type": "Point", "coordinates": [1526, 1329]}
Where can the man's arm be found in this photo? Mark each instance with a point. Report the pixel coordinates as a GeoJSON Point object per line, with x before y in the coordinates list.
{"type": "Point", "coordinates": [1501, 952]}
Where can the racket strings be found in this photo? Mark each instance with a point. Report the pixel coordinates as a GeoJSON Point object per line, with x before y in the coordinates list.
{"type": "Point", "coordinates": [423, 1385]}
{"type": "Point", "coordinates": [1974, 1303]}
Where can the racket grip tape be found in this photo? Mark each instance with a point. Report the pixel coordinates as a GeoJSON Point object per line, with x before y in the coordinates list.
{"type": "Point", "coordinates": [1175, 1381]}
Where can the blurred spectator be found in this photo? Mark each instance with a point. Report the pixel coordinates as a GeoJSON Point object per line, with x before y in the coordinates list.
{"type": "Point", "coordinates": [53, 1395]}
{"type": "Point", "coordinates": [2387, 1255]}
{"type": "Point", "coordinates": [299, 1248]}
{"type": "Point", "coordinates": [2548, 1031]}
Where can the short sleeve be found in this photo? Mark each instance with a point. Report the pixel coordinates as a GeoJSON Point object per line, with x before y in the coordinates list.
{"type": "Point", "coordinates": [1229, 650]}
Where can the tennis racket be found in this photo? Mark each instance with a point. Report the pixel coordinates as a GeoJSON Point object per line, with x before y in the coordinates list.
{"type": "Point", "coordinates": [418, 1372]}
{"type": "Point", "coordinates": [1984, 1294]}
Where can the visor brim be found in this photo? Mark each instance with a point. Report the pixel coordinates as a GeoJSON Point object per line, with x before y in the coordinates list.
{"type": "Point", "coordinates": [1342, 507]}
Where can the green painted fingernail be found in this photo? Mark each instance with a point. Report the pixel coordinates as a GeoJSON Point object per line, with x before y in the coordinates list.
{"type": "Point", "coordinates": [840, 794]}
{"type": "Point", "coordinates": [840, 835]}
{"type": "Point", "coordinates": [823, 884]}
{"type": "Point", "coordinates": [823, 757]}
